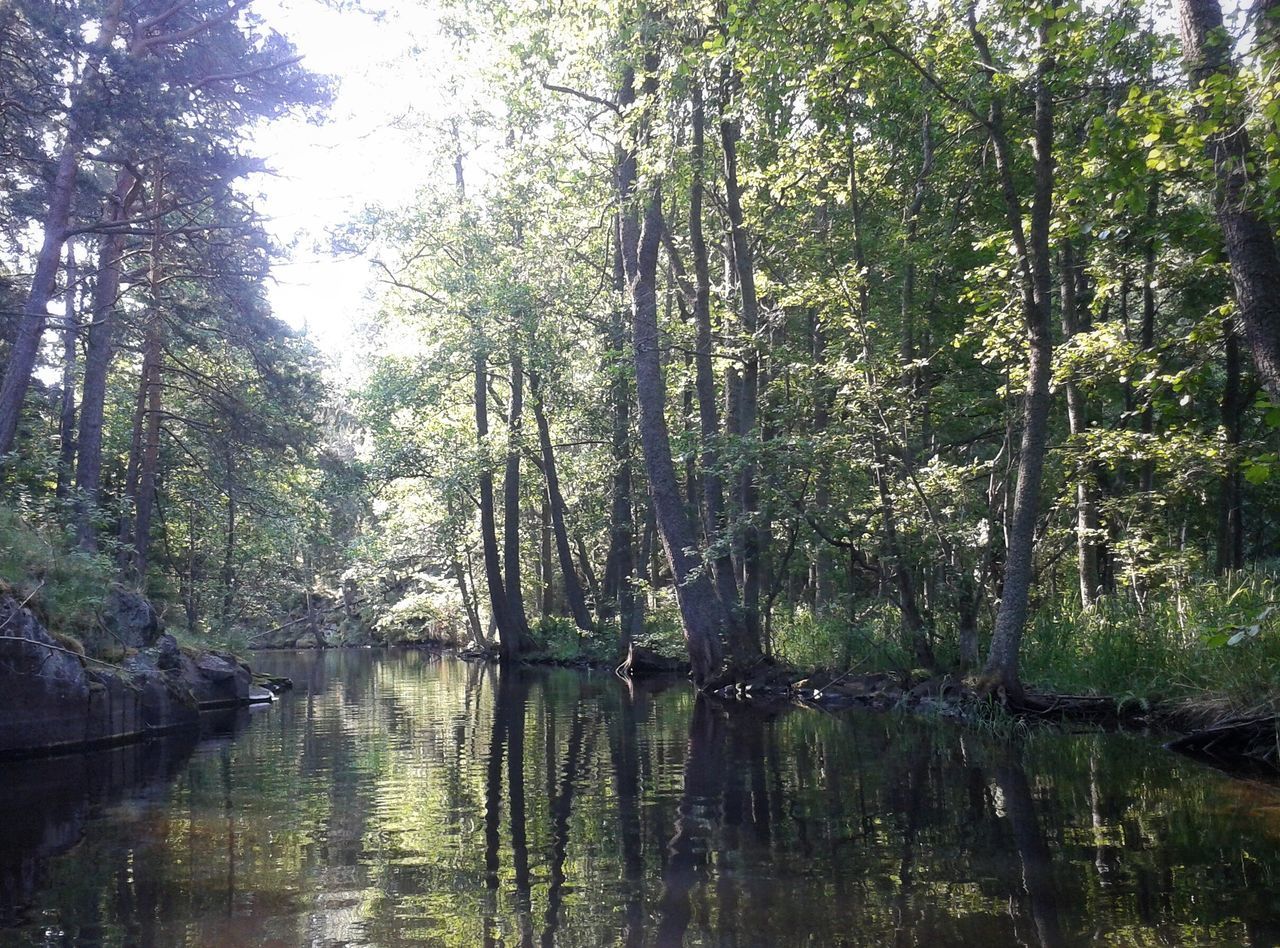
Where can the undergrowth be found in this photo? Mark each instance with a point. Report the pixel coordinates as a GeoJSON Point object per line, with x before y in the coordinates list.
{"type": "Point", "coordinates": [45, 569]}
{"type": "Point", "coordinates": [1214, 641]}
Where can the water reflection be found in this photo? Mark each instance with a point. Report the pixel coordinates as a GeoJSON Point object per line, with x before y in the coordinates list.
{"type": "Point", "coordinates": [400, 799]}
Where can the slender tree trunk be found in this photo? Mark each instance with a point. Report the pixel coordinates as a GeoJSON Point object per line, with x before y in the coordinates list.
{"type": "Point", "coordinates": [746, 644]}
{"type": "Point", "coordinates": [146, 496]}
{"type": "Point", "coordinates": [915, 631]}
{"type": "Point", "coordinates": [1255, 271]}
{"type": "Point", "coordinates": [97, 361]}
{"type": "Point", "coordinates": [547, 574]}
{"type": "Point", "coordinates": [1034, 262]}
{"type": "Point", "coordinates": [70, 351]}
{"type": "Point", "coordinates": [26, 345]}
{"type": "Point", "coordinates": [509, 639]}
{"type": "Point", "coordinates": [511, 509]}
{"type": "Point", "coordinates": [704, 373]}
{"type": "Point", "coordinates": [617, 597]}
{"type": "Point", "coordinates": [1230, 525]}
{"type": "Point", "coordinates": [1078, 422]}
{"type": "Point", "coordinates": [1147, 339]}
{"type": "Point", "coordinates": [468, 605]}
{"type": "Point", "coordinates": [228, 577]}
{"type": "Point", "coordinates": [572, 587]}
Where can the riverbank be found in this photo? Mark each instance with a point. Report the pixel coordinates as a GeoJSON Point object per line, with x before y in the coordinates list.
{"type": "Point", "coordinates": [54, 698]}
{"type": "Point", "coordinates": [1212, 730]}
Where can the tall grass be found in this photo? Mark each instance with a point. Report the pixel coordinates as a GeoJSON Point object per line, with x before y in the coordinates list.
{"type": "Point", "coordinates": [42, 567]}
{"type": "Point", "coordinates": [1213, 639]}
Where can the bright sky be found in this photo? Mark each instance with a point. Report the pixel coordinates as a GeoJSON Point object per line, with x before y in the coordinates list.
{"type": "Point", "coordinates": [368, 152]}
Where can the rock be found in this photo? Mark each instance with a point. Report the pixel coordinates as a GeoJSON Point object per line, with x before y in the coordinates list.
{"type": "Point", "coordinates": [130, 619]}
{"type": "Point", "coordinates": [215, 679]}
{"type": "Point", "coordinates": [46, 692]}
{"type": "Point", "coordinates": [260, 695]}
{"type": "Point", "coordinates": [52, 700]}
{"type": "Point", "coordinates": [276, 684]}
{"type": "Point", "coordinates": [308, 640]}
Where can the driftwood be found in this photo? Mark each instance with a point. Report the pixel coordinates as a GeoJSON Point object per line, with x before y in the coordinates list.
{"type": "Point", "coordinates": [1254, 739]}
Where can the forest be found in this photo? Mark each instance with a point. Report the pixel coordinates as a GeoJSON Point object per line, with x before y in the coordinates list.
{"type": "Point", "coordinates": [895, 336]}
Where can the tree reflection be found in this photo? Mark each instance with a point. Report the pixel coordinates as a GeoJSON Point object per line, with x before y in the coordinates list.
{"type": "Point", "coordinates": [699, 813]}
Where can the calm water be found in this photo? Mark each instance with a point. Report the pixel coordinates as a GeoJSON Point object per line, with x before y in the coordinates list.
{"type": "Point", "coordinates": [399, 798]}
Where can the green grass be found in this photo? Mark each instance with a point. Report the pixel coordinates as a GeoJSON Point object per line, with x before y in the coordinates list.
{"type": "Point", "coordinates": [59, 582]}
{"type": "Point", "coordinates": [870, 643]}
{"type": "Point", "coordinates": [1214, 640]}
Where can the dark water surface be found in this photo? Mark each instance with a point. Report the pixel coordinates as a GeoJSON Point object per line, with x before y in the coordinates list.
{"type": "Point", "coordinates": [399, 798]}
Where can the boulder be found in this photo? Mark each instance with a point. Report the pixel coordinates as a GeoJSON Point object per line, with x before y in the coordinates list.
{"type": "Point", "coordinates": [131, 619]}
{"type": "Point", "coordinates": [214, 679]}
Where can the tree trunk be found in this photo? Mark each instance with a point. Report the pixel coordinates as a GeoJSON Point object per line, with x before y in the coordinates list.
{"type": "Point", "coordinates": [1034, 263]}
{"type": "Point", "coordinates": [1147, 336]}
{"type": "Point", "coordinates": [97, 360]}
{"type": "Point", "coordinates": [509, 638]}
{"type": "Point", "coordinates": [70, 351]}
{"type": "Point", "coordinates": [228, 577]}
{"type": "Point", "coordinates": [745, 644]}
{"type": "Point", "coordinates": [618, 595]}
{"type": "Point", "coordinates": [1255, 271]}
{"type": "Point", "coordinates": [572, 587]}
{"type": "Point", "coordinates": [547, 580]}
{"type": "Point", "coordinates": [468, 606]}
{"type": "Point", "coordinates": [145, 500]}
{"type": "Point", "coordinates": [1078, 422]}
{"type": "Point", "coordinates": [26, 345]}
{"type": "Point", "coordinates": [702, 614]}
{"type": "Point", "coordinates": [704, 373]}
{"type": "Point", "coordinates": [511, 510]}
{"type": "Point", "coordinates": [1230, 526]}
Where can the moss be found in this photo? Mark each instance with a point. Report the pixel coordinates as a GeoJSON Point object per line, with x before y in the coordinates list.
{"type": "Point", "coordinates": [69, 642]}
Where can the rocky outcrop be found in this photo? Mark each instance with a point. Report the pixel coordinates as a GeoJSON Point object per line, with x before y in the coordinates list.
{"type": "Point", "coordinates": [131, 619]}
{"type": "Point", "coordinates": [52, 698]}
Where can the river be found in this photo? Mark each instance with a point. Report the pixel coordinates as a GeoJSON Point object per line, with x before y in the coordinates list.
{"type": "Point", "coordinates": [401, 798]}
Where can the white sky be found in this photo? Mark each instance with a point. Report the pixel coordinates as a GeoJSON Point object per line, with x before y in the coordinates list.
{"type": "Point", "coordinates": [369, 151]}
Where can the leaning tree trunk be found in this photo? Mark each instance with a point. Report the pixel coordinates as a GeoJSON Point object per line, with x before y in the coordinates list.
{"type": "Point", "coordinates": [26, 346]}
{"type": "Point", "coordinates": [572, 586]}
{"type": "Point", "coordinates": [1255, 271]}
{"type": "Point", "coordinates": [1034, 263]}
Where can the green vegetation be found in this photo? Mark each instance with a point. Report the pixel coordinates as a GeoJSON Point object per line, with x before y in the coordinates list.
{"type": "Point", "coordinates": [45, 569]}
{"type": "Point", "coordinates": [924, 337]}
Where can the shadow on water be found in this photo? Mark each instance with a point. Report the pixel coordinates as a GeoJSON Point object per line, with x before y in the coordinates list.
{"type": "Point", "coordinates": [401, 798]}
{"type": "Point", "coordinates": [52, 801]}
